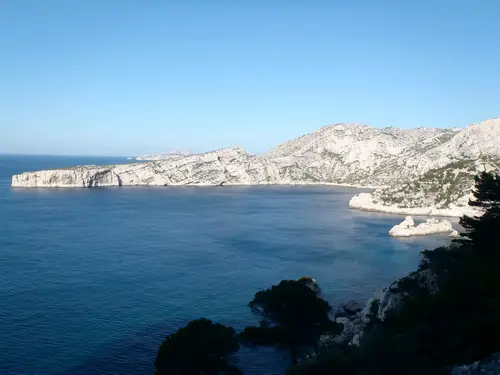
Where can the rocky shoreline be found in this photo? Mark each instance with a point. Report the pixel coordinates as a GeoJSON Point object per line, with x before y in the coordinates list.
{"type": "Point", "coordinates": [487, 366]}
{"type": "Point", "coordinates": [366, 202]}
{"type": "Point", "coordinates": [355, 318]}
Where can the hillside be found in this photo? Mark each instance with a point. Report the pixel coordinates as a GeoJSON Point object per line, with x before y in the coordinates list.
{"type": "Point", "coordinates": [428, 169]}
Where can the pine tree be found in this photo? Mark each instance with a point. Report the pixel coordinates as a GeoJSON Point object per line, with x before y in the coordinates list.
{"type": "Point", "coordinates": [483, 232]}
{"type": "Point", "coordinates": [293, 314]}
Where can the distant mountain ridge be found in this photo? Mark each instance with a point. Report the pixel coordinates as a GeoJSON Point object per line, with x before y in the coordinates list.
{"type": "Point", "coordinates": [415, 168]}
{"type": "Point", "coordinates": [164, 155]}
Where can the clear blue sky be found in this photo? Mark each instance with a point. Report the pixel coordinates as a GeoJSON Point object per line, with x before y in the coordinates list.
{"type": "Point", "coordinates": [119, 77]}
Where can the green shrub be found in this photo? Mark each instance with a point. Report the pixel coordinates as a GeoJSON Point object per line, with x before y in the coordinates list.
{"type": "Point", "coordinates": [202, 347]}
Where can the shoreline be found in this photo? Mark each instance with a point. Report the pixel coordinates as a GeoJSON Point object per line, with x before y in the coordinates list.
{"type": "Point", "coordinates": [15, 183]}
{"type": "Point", "coordinates": [103, 177]}
{"type": "Point", "coordinates": [364, 202]}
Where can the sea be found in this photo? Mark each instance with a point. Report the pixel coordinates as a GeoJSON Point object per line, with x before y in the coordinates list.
{"type": "Point", "coordinates": [92, 280]}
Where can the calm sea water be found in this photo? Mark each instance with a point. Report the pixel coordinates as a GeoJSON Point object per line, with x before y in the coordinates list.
{"type": "Point", "coordinates": [91, 281]}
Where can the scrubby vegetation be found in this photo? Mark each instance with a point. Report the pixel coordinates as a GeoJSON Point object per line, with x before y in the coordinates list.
{"type": "Point", "coordinates": [455, 321]}
{"type": "Point", "coordinates": [438, 187]}
{"type": "Point", "coordinates": [202, 347]}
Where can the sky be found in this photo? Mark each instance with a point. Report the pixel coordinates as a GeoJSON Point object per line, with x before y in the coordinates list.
{"type": "Point", "coordinates": [121, 77]}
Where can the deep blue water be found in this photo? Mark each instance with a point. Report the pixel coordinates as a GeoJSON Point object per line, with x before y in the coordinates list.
{"type": "Point", "coordinates": [91, 280]}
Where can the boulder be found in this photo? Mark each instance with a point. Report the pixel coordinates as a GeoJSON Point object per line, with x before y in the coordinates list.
{"type": "Point", "coordinates": [347, 332]}
{"type": "Point", "coordinates": [357, 322]}
{"type": "Point", "coordinates": [431, 226]}
{"type": "Point", "coordinates": [351, 307]}
{"type": "Point", "coordinates": [356, 340]}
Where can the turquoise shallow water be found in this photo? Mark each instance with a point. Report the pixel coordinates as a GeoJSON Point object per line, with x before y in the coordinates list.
{"type": "Point", "coordinates": [92, 280]}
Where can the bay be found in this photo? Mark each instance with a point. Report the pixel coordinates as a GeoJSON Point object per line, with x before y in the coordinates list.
{"type": "Point", "coordinates": [91, 280]}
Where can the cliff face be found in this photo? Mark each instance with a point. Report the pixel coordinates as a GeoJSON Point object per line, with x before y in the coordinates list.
{"type": "Point", "coordinates": [443, 186]}
{"type": "Point", "coordinates": [87, 176]}
{"type": "Point", "coordinates": [360, 155]}
{"type": "Point", "coordinates": [228, 166]}
{"type": "Point", "coordinates": [423, 171]}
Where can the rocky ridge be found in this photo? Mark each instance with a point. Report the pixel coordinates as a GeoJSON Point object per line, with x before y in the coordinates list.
{"type": "Point", "coordinates": [164, 155]}
{"type": "Point", "coordinates": [424, 171]}
{"type": "Point", "coordinates": [443, 188]}
{"type": "Point", "coordinates": [487, 366]}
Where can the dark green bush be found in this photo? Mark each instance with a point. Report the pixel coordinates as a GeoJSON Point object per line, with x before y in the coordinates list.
{"type": "Point", "coordinates": [292, 313]}
{"type": "Point", "coordinates": [202, 347]}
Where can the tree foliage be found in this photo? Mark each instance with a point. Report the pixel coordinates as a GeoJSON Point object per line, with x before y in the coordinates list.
{"type": "Point", "coordinates": [481, 231]}
{"type": "Point", "coordinates": [486, 191]}
{"type": "Point", "coordinates": [433, 332]}
{"type": "Point", "coordinates": [202, 347]}
{"type": "Point", "coordinates": [292, 314]}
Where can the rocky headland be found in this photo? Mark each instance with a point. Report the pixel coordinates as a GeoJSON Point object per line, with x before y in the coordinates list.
{"type": "Point", "coordinates": [423, 171]}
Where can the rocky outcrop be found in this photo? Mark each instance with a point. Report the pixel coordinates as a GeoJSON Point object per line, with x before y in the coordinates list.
{"type": "Point", "coordinates": [368, 202]}
{"type": "Point", "coordinates": [391, 298]}
{"type": "Point", "coordinates": [487, 366]}
{"type": "Point", "coordinates": [351, 329]}
{"type": "Point", "coordinates": [387, 299]}
{"type": "Point", "coordinates": [85, 177]}
{"type": "Point", "coordinates": [408, 228]}
{"type": "Point", "coordinates": [420, 171]}
{"type": "Point", "coordinates": [351, 307]}
{"type": "Point", "coordinates": [349, 316]}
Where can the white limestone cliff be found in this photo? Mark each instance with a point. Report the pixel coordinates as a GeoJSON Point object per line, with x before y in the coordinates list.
{"type": "Point", "coordinates": [444, 187]}
{"type": "Point", "coordinates": [422, 171]}
{"type": "Point", "coordinates": [233, 166]}
{"type": "Point", "coordinates": [408, 228]}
